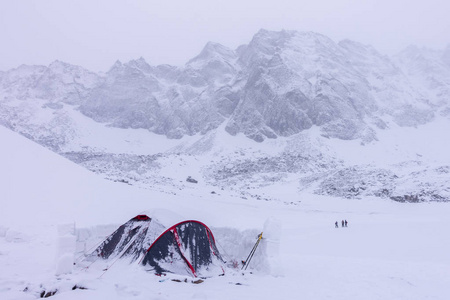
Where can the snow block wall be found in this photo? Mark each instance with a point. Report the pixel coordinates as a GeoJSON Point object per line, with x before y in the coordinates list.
{"type": "Point", "coordinates": [87, 239]}
{"type": "Point", "coordinates": [235, 246]}
{"type": "Point", "coordinates": [271, 244]}
{"type": "Point", "coordinates": [65, 251]}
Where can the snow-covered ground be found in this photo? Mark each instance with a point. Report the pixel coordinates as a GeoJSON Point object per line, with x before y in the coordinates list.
{"type": "Point", "coordinates": [390, 250]}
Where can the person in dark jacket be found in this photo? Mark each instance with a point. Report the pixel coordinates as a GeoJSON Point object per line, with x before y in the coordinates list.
{"type": "Point", "coordinates": [345, 223]}
{"type": "Point", "coordinates": [336, 225]}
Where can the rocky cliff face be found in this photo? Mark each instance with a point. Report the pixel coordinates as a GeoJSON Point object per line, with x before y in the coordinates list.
{"type": "Point", "coordinates": [280, 84]}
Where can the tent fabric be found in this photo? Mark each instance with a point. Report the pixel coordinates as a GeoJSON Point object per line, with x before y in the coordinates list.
{"type": "Point", "coordinates": [129, 241]}
{"type": "Point", "coordinates": [185, 248]}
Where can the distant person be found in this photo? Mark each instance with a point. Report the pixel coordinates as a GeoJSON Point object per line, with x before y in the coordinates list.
{"type": "Point", "coordinates": [336, 225]}
{"type": "Point", "coordinates": [342, 223]}
{"type": "Point", "coordinates": [345, 222]}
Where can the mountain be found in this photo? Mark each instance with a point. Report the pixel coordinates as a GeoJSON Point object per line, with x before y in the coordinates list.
{"type": "Point", "coordinates": [280, 84]}
{"type": "Point", "coordinates": [59, 82]}
{"type": "Point", "coordinates": [280, 108]}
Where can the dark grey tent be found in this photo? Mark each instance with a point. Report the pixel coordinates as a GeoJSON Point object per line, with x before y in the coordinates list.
{"type": "Point", "coordinates": [184, 248]}
{"type": "Point", "coordinates": [187, 247]}
{"type": "Point", "coordinates": [129, 241]}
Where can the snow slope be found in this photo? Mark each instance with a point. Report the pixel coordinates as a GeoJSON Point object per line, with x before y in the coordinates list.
{"type": "Point", "coordinates": [389, 251]}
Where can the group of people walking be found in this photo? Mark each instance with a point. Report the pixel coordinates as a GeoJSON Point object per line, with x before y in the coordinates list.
{"type": "Point", "coordinates": [344, 223]}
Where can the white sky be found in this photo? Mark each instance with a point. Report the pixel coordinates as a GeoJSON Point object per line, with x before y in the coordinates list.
{"type": "Point", "coordinates": [94, 34]}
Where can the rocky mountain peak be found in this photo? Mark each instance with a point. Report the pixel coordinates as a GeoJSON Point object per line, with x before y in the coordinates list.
{"type": "Point", "coordinates": [264, 45]}
{"type": "Point", "coordinates": [115, 67]}
{"type": "Point", "coordinates": [139, 64]}
{"type": "Point", "coordinates": [215, 64]}
{"type": "Point", "coordinates": [59, 65]}
{"type": "Point", "coordinates": [214, 51]}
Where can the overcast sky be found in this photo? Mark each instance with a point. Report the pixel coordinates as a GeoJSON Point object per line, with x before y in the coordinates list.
{"type": "Point", "coordinates": [94, 34]}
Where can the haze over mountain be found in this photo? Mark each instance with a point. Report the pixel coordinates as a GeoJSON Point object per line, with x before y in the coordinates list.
{"type": "Point", "coordinates": [291, 130]}
{"type": "Point", "coordinates": [297, 94]}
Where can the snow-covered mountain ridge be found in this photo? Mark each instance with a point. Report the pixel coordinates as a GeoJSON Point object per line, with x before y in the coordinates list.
{"type": "Point", "coordinates": [280, 84]}
{"type": "Point", "coordinates": [279, 109]}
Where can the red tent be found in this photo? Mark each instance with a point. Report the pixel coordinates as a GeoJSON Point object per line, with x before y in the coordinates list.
{"type": "Point", "coordinates": [184, 248]}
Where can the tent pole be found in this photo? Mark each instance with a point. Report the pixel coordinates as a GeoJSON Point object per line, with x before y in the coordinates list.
{"type": "Point", "coordinates": [250, 256]}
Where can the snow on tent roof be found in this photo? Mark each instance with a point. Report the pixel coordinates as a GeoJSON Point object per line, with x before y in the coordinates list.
{"type": "Point", "coordinates": [185, 248]}
{"type": "Point", "coordinates": [129, 241]}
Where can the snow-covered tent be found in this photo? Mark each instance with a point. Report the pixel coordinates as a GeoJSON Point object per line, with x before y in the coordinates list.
{"type": "Point", "coordinates": [185, 248]}
{"type": "Point", "coordinates": [130, 241]}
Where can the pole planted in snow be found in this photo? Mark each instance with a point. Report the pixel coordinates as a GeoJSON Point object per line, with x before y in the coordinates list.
{"type": "Point", "coordinates": [250, 256]}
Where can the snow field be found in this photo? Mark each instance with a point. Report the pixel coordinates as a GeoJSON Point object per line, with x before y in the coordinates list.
{"type": "Point", "coordinates": [389, 250]}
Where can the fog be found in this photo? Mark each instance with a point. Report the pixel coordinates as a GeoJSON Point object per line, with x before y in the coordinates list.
{"type": "Point", "coordinates": [94, 34]}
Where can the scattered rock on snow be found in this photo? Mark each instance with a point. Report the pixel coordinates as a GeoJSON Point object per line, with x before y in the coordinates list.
{"type": "Point", "coordinates": [191, 180]}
